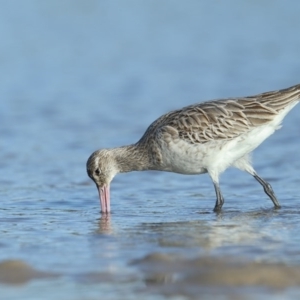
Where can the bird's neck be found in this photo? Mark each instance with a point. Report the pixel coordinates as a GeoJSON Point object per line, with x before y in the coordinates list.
{"type": "Point", "coordinates": [131, 158]}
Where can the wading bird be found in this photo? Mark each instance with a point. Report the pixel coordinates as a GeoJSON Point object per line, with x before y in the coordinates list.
{"type": "Point", "coordinates": [207, 137]}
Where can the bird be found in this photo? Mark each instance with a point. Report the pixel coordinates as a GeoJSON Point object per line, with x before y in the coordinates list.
{"type": "Point", "coordinates": [206, 137]}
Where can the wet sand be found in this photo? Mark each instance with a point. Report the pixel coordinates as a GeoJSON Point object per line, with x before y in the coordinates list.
{"type": "Point", "coordinates": [174, 275]}
{"type": "Point", "coordinates": [17, 272]}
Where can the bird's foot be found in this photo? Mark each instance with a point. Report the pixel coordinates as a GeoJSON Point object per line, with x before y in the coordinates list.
{"type": "Point", "coordinates": [217, 208]}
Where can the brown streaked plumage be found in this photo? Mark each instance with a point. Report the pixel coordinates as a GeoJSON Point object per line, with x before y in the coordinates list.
{"type": "Point", "coordinates": [206, 137]}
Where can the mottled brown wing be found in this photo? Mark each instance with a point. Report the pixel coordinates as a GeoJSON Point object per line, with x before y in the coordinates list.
{"type": "Point", "coordinates": [224, 119]}
{"type": "Point", "coordinates": [219, 120]}
{"type": "Point", "coordinates": [227, 119]}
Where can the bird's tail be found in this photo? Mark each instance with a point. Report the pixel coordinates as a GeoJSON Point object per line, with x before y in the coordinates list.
{"type": "Point", "coordinates": [279, 100]}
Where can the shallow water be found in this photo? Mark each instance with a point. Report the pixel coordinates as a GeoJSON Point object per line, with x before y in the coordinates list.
{"type": "Point", "coordinates": [77, 76]}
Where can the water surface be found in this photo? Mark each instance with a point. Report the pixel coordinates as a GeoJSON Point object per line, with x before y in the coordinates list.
{"type": "Point", "coordinates": [77, 76]}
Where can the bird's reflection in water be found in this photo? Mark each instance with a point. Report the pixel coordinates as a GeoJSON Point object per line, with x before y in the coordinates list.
{"type": "Point", "coordinates": [104, 224]}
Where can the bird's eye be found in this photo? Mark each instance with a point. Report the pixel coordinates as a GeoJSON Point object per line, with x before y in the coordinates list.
{"type": "Point", "coordinates": [97, 172]}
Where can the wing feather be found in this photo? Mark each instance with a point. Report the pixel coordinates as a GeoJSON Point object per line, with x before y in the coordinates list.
{"type": "Point", "coordinates": [226, 118]}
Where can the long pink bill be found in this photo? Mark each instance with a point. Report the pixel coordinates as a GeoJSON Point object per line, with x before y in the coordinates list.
{"type": "Point", "coordinates": [104, 195]}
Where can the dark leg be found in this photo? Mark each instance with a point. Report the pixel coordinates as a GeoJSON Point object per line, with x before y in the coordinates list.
{"type": "Point", "coordinates": [220, 199]}
{"type": "Point", "coordinates": [268, 190]}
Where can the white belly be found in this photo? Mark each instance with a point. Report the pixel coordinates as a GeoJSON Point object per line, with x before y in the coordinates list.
{"type": "Point", "coordinates": [185, 158]}
{"type": "Point", "coordinates": [182, 157]}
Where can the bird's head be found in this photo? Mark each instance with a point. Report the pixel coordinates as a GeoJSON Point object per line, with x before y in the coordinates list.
{"type": "Point", "coordinates": [102, 168]}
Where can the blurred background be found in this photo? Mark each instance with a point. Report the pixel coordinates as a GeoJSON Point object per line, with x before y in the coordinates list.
{"type": "Point", "coordinates": [80, 75]}
{"type": "Point", "coordinates": [106, 69]}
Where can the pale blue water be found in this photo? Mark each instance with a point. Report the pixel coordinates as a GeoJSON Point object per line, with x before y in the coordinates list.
{"type": "Point", "coordinates": [76, 76]}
